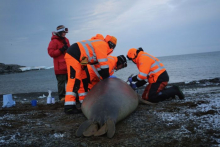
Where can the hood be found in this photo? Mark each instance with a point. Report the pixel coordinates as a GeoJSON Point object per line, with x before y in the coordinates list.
{"type": "Point", "coordinates": [98, 36]}
{"type": "Point", "coordinates": [137, 59]}
{"type": "Point", "coordinates": [54, 36]}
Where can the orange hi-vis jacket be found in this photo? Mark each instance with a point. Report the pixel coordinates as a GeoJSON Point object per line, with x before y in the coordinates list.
{"type": "Point", "coordinates": [95, 77]}
{"type": "Point", "coordinates": [149, 67]}
{"type": "Point", "coordinates": [95, 50]}
{"type": "Point", "coordinates": [112, 62]}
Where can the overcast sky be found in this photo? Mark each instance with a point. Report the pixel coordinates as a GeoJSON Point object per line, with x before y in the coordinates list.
{"type": "Point", "coordinates": [160, 27]}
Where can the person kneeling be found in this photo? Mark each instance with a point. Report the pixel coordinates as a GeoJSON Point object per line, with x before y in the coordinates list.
{"type": "Point", "coordinates": [151, 70]}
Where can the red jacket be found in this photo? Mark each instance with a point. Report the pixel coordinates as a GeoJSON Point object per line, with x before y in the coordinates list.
{"type": "Point", "coordinates": [58, 57]}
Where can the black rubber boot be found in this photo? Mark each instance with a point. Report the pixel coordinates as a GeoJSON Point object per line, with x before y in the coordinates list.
{"type": "Point", "coordinates": [179, 93]}
{"type": "Point", "coordinates": [166, 94]}
{"type": "Point", "coordinates": [78, 105]}
{"type": "Point", "coordinates": [170, 93]}
{"type": "Point", "coordinates": [71, 109]}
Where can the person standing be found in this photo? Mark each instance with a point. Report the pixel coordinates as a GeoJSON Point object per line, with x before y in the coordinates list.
{"type": "Point", "coordinates": [93, 51]}
{"type": "Point", "coordinates": [57, 50]}
{"type": "Point", "coordinates": [151, 70]}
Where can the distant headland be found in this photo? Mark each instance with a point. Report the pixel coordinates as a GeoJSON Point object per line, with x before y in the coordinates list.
{"type": "Point", "coordinates": [14, 68]}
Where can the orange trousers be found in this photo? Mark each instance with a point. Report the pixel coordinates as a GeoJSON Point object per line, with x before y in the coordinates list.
{"type": "Point", "coordinates": [93, 82]}
{"type": "Point", "coordinates": [74, 88]}
{"type": "Point", "coordinates": [152, 89]}
{"type": "Point", "coordinates": [94, 79]}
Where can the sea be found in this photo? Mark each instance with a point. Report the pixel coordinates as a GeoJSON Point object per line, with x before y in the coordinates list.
{"type": "Point", "coordinates": [180, 68]}
{"type": "Point", "coordinates": [183, 68]}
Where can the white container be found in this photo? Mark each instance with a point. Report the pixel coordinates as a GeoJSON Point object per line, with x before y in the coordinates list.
{"type": "Point", "coordinates": [53, 100]}
{"type": "Point", "coordinates": [8, 101]}
{"type": "Point", "coordinates": [49, 98]}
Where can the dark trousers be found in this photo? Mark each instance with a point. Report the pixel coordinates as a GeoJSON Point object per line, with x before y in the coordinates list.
{"type": "Point", "coordinates": [61, 81]}
{"type": "Point", "coordinates": [152, 89]}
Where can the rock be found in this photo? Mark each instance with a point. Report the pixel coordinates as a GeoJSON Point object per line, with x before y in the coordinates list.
{"type": "Point", "coordinates": [9, 68]}
{"type": "Point", "coordinates": [2, 67]}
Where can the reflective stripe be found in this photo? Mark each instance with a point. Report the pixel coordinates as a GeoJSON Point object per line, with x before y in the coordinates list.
{"type": "Point", "coordinates": [143, 74]}
{"type": "Point", "coordinates": [98, 69]}
{"type": "Point", "coordinates": [81, 101]}
{"type": "Point", "coordinates": [156, 63]}
{"type": "Point", "coordinates": [112, 71]}
{"type": "Point", "coordinates": [104, 66]}
{"type": "Point", "coordinates": [142, 79]}
{"type": "Point", "coordinates": [155, 71]}
{"type": "Point", "coordinates": [96, 72]}
{"type": "Point", "coordinates": [71, 93]}
{"type": "Point", "coordinates": [139, 78]}
{"type": "Point", "coordinates": [83, 94]}
{"type": "Point", "coordinates": [102, 60]}
{"type": "Point", "coordinates": [87, 42]}
{"type": "Point", "coordinates": [70, 103]}
{"type": "Point", "coordinates": [111, 58]}
{"type": "Point", "coordinates": [149, 56]}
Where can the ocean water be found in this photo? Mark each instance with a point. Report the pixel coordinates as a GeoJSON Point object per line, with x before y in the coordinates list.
{"type": "Point", "coordinates": [183, 68]}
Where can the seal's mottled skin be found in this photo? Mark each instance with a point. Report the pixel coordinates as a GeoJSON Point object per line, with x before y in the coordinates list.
{"type": "Point", "coordinates": [111, 99]}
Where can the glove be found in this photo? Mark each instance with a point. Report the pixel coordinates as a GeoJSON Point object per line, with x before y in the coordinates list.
{"type": "Point", "coordinates": [64, 48]}
{"type": "Point", "coordinates": [112, 76]}
{"type": "Point", "coordinates": [133, 86]}
{"type": "Point", "coordinates": [130, 79]}
{"type": "Point", "coordinates": [104, 73]}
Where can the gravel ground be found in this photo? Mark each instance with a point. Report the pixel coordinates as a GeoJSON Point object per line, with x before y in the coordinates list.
{"type": "Point", "coordinates": [193, 122]}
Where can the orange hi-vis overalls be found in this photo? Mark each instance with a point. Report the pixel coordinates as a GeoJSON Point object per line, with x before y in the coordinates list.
{"type": "Point", "coordinates": [151, 70]}
{"type": "Point", "coordinates": [95, 50]}
{"type": "Point", "coordinates": [112, 62]}
{"type": "Point", "coordinates": [94, 75]}
{"type": "Point", "coordinates": [149, 67]}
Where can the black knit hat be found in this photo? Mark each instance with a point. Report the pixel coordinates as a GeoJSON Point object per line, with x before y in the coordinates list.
{"type": "Point", "coordinates": [122, 60]}
{"type": "Point", "coordinates": [60, 27]}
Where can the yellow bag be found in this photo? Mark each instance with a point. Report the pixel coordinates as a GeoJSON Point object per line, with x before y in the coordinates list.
{"type": "Point", "coordinates": [84, 61]}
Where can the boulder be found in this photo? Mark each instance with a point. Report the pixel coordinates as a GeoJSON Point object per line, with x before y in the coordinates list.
{"type": "Point", "coordinates": [9, 68]}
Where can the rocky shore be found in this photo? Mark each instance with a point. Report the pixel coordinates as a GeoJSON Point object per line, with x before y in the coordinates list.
{"type": "Point", "coordinates": [9, 68]}
{"type": "Point", "coordinates": [192, 122]}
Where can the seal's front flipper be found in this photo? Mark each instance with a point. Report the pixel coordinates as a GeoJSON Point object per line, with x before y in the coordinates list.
{"type": "Point", "coordinates": [83, 127]}
{"type": "Point", "coordinates": [93, 128]}
{"type": "Point", "coordinates": [102, 130]}
{"type": "Point", "coordinates": [142, 101]}
{"type": "Point", "coordinates": [110, 128]}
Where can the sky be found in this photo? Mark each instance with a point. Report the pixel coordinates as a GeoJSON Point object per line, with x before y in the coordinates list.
{"type": "Point", "coordinates": [160, 27]}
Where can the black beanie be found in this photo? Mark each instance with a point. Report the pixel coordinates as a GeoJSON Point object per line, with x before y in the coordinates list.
{"type": "Point", "coordinates": [121, 60]}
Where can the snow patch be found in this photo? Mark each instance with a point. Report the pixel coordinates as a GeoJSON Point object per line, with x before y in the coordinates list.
{"type": "Point", "coordinates": [58, 135]}
{"type": "Point", "coordinates": [35, 68]}
{"type": "Point", "coordinates": [42, 96]}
